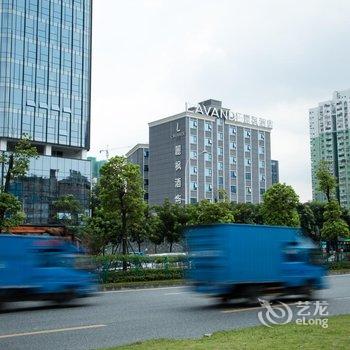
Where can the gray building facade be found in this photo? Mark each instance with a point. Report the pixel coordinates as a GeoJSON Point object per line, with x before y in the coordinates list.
{"type": "Point", "coordinates": [207, 152]}
{"type": "Point", "coordinates": [275, 172]}
{"type": "Point", "coordinates": [139, 155]}
{"type": "Point", "coordinates": [329, 142]}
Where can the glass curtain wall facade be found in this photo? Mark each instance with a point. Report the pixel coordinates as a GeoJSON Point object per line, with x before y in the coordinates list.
{"type": "Point", "coordinates": [45, 52]}
{"type": "Point", "coordinates": [45, 68]}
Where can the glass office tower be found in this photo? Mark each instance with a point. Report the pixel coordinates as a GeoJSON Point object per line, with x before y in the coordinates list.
{"type": "Point", "coordinates": [45, 68]}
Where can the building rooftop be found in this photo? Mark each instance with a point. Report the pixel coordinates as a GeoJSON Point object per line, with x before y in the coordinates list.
{"type": "Point", "coordinates": [212, 109]}
{"type": "Point", "coordinates": [135, 148]}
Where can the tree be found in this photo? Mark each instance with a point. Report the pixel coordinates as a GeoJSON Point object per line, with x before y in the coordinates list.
{"type": "Point", "coordinates": [139, 230]}
{"type": "Point", "coordinates": [172, 220]}
{"type": "Point", "coordinates": [334, 226]}
{"type": "Point", "coordinates": [247, 213]}
{"type": "Point", "coordinates": [67, 210]}
{"type": "Point", "coordinates": [307, 221]}
{"type": "Point", "coordinates": [326, 181]}
{"type": "Point", "coordinates": [121, 194]}
{"type": "Point", "coordinates": [11, 208]}
{"type": "Point", "coordinates": [318, 209]}
{"type": "Point", "coordinates": [16, 164]}
{"type": "Point", "coordinates": [101, 230]}
{"type": "Point", "coordinates": [280, 206]}
{"type": "Point", "coordinates": [206, 212]}
{"type": "Point", "coordinates": [154, 234]}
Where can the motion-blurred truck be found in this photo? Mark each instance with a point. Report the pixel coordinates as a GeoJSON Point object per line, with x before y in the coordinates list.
{"type": "Point", "coordinates": [43, 268]}
{"type": "Point", "coordinates": [247, 261]}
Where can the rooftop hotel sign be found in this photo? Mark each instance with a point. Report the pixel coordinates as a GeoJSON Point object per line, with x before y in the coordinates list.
{"type": "Point", "coordinates": [227, 114]}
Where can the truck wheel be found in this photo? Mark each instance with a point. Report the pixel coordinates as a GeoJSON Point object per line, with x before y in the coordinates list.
{"type": "Point", "coordinates": [309, 291]}
{"type": "Point", "coordinates": [65, 297]}
{"type": "Point", "coordinates": [224, 300]}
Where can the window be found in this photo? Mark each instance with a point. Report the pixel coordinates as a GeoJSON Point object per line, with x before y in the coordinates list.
{"type": "Point", "coordinates": [233, 160]}
{"type": "Point", "coordinates": [145, 167]}
{"type": "Point", "coordinates": [262, 177]}
{"type": "Point", "coordinates": [262, 164]}
{"type": "Point", "coordinates": [248, 190]}
{"type": "Point", "coordinates": [220, 180]}
{"type": "Point", "coordinates": [233, 189]}
{"type": "Point", "coordinates": [248, 176]}
{"type": "Point", "coordinates": [193, 155]}
{"type": "Point", "coordinates": [248, 148]}
{"type": "Point", "coordinates": [233, 145]}
{"type": "Point", "coordinates": [221, 136]}
{"type": "Point", "coordinates": [208, 126]}
{"type": "Point", "coordinates": [193, 123]}
{"type": "Point", "coordinates": [261, 150]}
{"type": "Point", "coordinates": [208, 187]}
{"type": "Point", "coordinates": [262, 191]}
{"type": "Point", "coordinates": [248, 162]}
{"type": "Point", "coordinates": [193, 200]}
{"type": "Point", "coordinates": [208, 142]}
{"type": "Point", "coordinates": [220, 151]}
{"type": "Point", "coordinates": [193, 139]}
{"type": "Point", "coordinates": [233, 130]}
{"type": "Point", "coordinates": [246, 133]}
{"type": "Point", "coordinates": [194, 170]}
{"type": "Point", "coordinates": [208, 172]}
{"type": "Point", "coordinates": [145, 182]}
{"type": "Point", "coordinates": [194, 185]}
{"type": "Point", "coordinates": [233, 174]}
{"type": "Point", "coordinates": [261, 136]}
{"type": "Point", "coordinates": [221, 166]}
{"type": "Point", "coordinates": [146, 153]}
{"type": "Point", "coordinates": [208, 157]}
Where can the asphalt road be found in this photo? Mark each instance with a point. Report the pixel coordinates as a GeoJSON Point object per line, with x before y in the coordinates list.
{"type": "Point", "coordinates": [121, 317]}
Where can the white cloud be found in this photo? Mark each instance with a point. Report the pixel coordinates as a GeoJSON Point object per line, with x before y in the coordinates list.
{"type": "Point", "coordinates": [271, 58]}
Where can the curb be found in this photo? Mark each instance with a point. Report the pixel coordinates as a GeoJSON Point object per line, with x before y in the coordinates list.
{"type": "Point", "coordinates": [338, 272]}
{"type": "Point", "coordinates": [172, 283]}
{"type": "Point", "coordinates": [141, 285]}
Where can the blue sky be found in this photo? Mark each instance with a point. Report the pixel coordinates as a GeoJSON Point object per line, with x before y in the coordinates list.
{"type": "Point", "coordinates": [273, 59]}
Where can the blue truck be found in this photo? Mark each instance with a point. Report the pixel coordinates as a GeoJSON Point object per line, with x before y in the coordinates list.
{"type": "Point", "coordinates": [246, 261]}
{"type": "Point", "coordinates": [43, 268]}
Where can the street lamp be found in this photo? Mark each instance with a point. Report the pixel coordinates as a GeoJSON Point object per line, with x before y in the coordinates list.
{"type": "Point", "coordinates": [187, 177]}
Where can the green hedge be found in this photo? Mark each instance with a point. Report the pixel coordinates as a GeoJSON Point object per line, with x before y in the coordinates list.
{"type": "Point", "coordinates": [141, 275]}
{"type": "Point", "coordinates": [339, 265]}
{"type": "Point", "coordinates": [139, 268]}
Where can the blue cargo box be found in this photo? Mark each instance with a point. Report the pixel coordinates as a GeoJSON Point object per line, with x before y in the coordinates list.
{"type": "Point", "coordinates": [230, 254]}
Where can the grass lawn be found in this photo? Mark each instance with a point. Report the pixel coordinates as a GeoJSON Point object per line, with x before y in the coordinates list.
{"type": "Point", "coordinates": [291, 336]}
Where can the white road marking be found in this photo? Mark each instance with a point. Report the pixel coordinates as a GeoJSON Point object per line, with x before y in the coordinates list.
{"type": "Point", "coordinates": [229, 311]}
{"type": "Point", "coordinates": [174, 293]}
{"type": "Point", "coordinates": [139, 290]}
{"type": "Point", "coordinates": [51, 331]}
{"type": "Point", "coordinates": [341, 298]}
